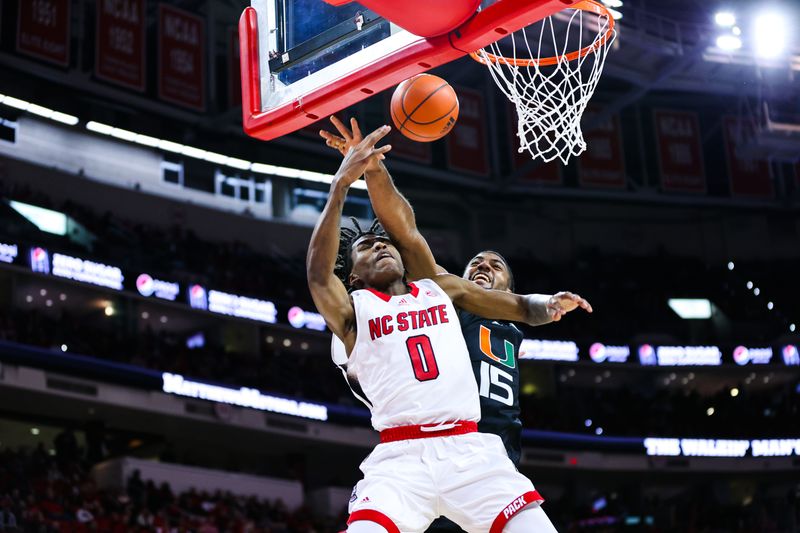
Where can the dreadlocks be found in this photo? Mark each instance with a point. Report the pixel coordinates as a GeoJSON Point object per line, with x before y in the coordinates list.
{"type": "Point", "coordinates": [344, 259]}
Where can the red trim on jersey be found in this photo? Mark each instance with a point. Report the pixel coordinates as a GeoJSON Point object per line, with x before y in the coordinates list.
{"type": "Point", "coordinates": [374, 516]}
{"type": "Point", "coordinates": [510, 510]}
{"type": "Point", "coordinates": [382, 295]}
{"type": "Point", "coordinates": [414, 290]}
{"type": "Point", "coordinates": [417, 432]}
{"type": "Point", "coordinates": [386, 297]}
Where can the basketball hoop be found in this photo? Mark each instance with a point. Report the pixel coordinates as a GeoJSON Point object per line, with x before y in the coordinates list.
{"type": "Point", "coordinates": [551, 87]}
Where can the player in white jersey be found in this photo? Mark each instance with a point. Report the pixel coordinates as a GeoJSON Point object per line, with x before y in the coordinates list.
{"type": "Point", "coordinates": [406, 351]}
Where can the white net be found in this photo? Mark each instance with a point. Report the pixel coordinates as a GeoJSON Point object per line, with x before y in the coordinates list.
{"type": "Point", "coordinates": [551, 87]}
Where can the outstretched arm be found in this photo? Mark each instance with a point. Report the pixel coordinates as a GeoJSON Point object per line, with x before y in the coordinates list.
{"type": "Point", "coordinates": [533, 309]}
{"type": "Point", "coordinates": [392, 209]}
{"type": "Point", "coordinates": [328, 291]}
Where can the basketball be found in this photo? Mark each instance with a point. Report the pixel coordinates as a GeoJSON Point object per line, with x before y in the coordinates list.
{"type": "Point", "coordinates": [424, 108]}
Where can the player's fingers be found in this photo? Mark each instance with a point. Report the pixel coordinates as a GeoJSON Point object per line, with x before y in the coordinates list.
{"type": "Point", "coordinates": [342, 129]}
{"type": "Point", "coordinates": [376, 136]}
{"type": "Point", "coordinates": [355, 129]}
{"type": "Point", "coordinates": [383, 149]}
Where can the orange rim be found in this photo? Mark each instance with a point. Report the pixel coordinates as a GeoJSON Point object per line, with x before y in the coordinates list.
{"type": "Point", "coordinates": [584, 5]}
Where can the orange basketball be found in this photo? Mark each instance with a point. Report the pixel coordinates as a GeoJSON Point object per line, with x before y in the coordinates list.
{"type": "Point", "coordinates": [424, 108]}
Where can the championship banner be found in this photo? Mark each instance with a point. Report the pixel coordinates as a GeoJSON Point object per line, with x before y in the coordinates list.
{"type": "Point", "coordinates": [234, 69]}
{"type": "Point", "coordinates": [748, 177]}
{"type": "Point", "coordinates": [467, 149]}
{"type": "Point", "coordinates": [120, 41]}
{"type": "Point", "coordinates": [603, 163]}
{"type": "Point", "coordinates": [43, 30]}
{"type": "Point", "coordinates": [181, 58]}
{"type": "Point", "coordinates": [402, 146]}
{"type": "Point", "coordinates": [680, 155]}
{"type": "Point", "coordinates": [539, 173]}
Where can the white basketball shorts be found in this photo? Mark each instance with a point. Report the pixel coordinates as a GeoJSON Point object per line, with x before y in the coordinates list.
{"type": "Point", "coordinates": [467, 478]}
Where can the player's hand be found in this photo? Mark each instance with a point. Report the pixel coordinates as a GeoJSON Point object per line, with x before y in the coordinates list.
{"type": "Point", "coordinates": [563, 302]}
{"type": "Point", "coordinates": [346, 139]}
{"type": "Point", "coordinates": [361, 155]}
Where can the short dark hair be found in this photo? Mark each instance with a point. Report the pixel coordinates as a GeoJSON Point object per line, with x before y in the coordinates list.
{"type": "Point", "coordinates": [508, 267]}
{"type": "Point", "coordinates": [348, 236]}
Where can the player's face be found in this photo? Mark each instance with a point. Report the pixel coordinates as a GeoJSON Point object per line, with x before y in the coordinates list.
{"type": "Point", "coordinates": [488, 270]}
{"type": "Point", "coordinates": [376, 262]}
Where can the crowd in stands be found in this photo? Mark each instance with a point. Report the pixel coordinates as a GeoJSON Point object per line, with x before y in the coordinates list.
{"type": "Point", "coordinates": [53, 492]}
{"type": "Point", "coordinates": [44, 493]}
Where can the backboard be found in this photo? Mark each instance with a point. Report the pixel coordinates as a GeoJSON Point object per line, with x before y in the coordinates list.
{"type": "Point", "coordinates": [305, 59]}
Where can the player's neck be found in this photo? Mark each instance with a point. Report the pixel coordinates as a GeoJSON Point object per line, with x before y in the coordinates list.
{"type": "Point", "coordinates": [394, 288]}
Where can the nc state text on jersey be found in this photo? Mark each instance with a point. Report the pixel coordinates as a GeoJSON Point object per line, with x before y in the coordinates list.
{"type": "Point", "coordinates": [406, 320]}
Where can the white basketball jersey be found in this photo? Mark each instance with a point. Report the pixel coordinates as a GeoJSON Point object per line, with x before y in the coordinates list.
{"type": "Point", "coordinates": [410, 363]}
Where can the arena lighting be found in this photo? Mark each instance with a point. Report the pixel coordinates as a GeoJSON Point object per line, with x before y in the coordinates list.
{"type": "Point", "coordinates": [691, 308]}
{"type": "Point", "coordinates": [150, 286]}
{"type": "Point", "coordinates": [734, 392]}
{"type": "Point", "coordinates": [756, 291]}
{"type": "Point", "coordinates": [679, 356]}
{"type": "Point", "coordinates": [212, 157]}
{"type": "Point", "coordinates": [38, 110]}
{"type": "Point", "coordinates": [710, 411]}
{"type": "Point", "coordinates": [8, 252]}
{"type": "Point", "coordinates": [241, 306]}
{"type": "Point", "coordinates": [730, 265]}
{"type": "Point", "coordinates": [549, 350]}
{"type": "Point", "coordinates": [45, 219]}
{"type": "Point", "coordinates": [726, 19]}
{"type": "Point", "coordinates": [611, 5]}
{"type": "Point", "coordinates": [728, 42]}
{"type": "Point", "coordinates": [86, 271]}
{"type": "Point", "coordinates": [600, 353]}
{"type": "Point", "coordinates": [749, 284]}
{"type": "Point", "coordinates": [243, 397]}
{"type": "Point", "coordinates": [64, 348]}
{"type": "Point", "coordinates": [770, 305]}
{"type": "Point", "coordinates": [770, 33]}
{"type": "Point", "coordinates": [671, 447]}
{"type": "Point", "coordinates": [300, 318]}
{"type": "Point", "coordinates": [792, 327]}
{"type": "Point", "coordinates": [743, 355]}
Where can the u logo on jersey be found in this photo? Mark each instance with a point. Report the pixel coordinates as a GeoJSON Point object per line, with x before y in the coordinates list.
{"type": "Point", "coordinates": [486, 348]}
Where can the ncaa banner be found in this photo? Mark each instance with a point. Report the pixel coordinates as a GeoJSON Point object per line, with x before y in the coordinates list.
{"type": "Point", "coordinates": [680, 155]}
{"type": "Point", "coordinates": [539, 173]}
{"type": "Point", "coordinates": [120, 40]}
{"type": "Point", "coordinates": [181, 58]}
{"type": "Point", "coordinates": [603, 163]}
{"type": "Point", "coordinates": [43, 30]}
{"type": "Point", "coordinates": [467, 148]}
{"type": "Point", "coordinates": [748, 177]}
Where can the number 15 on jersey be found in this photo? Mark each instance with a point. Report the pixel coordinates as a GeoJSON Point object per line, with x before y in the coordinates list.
{"type": "Point", "coordinates": [496, 384]}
